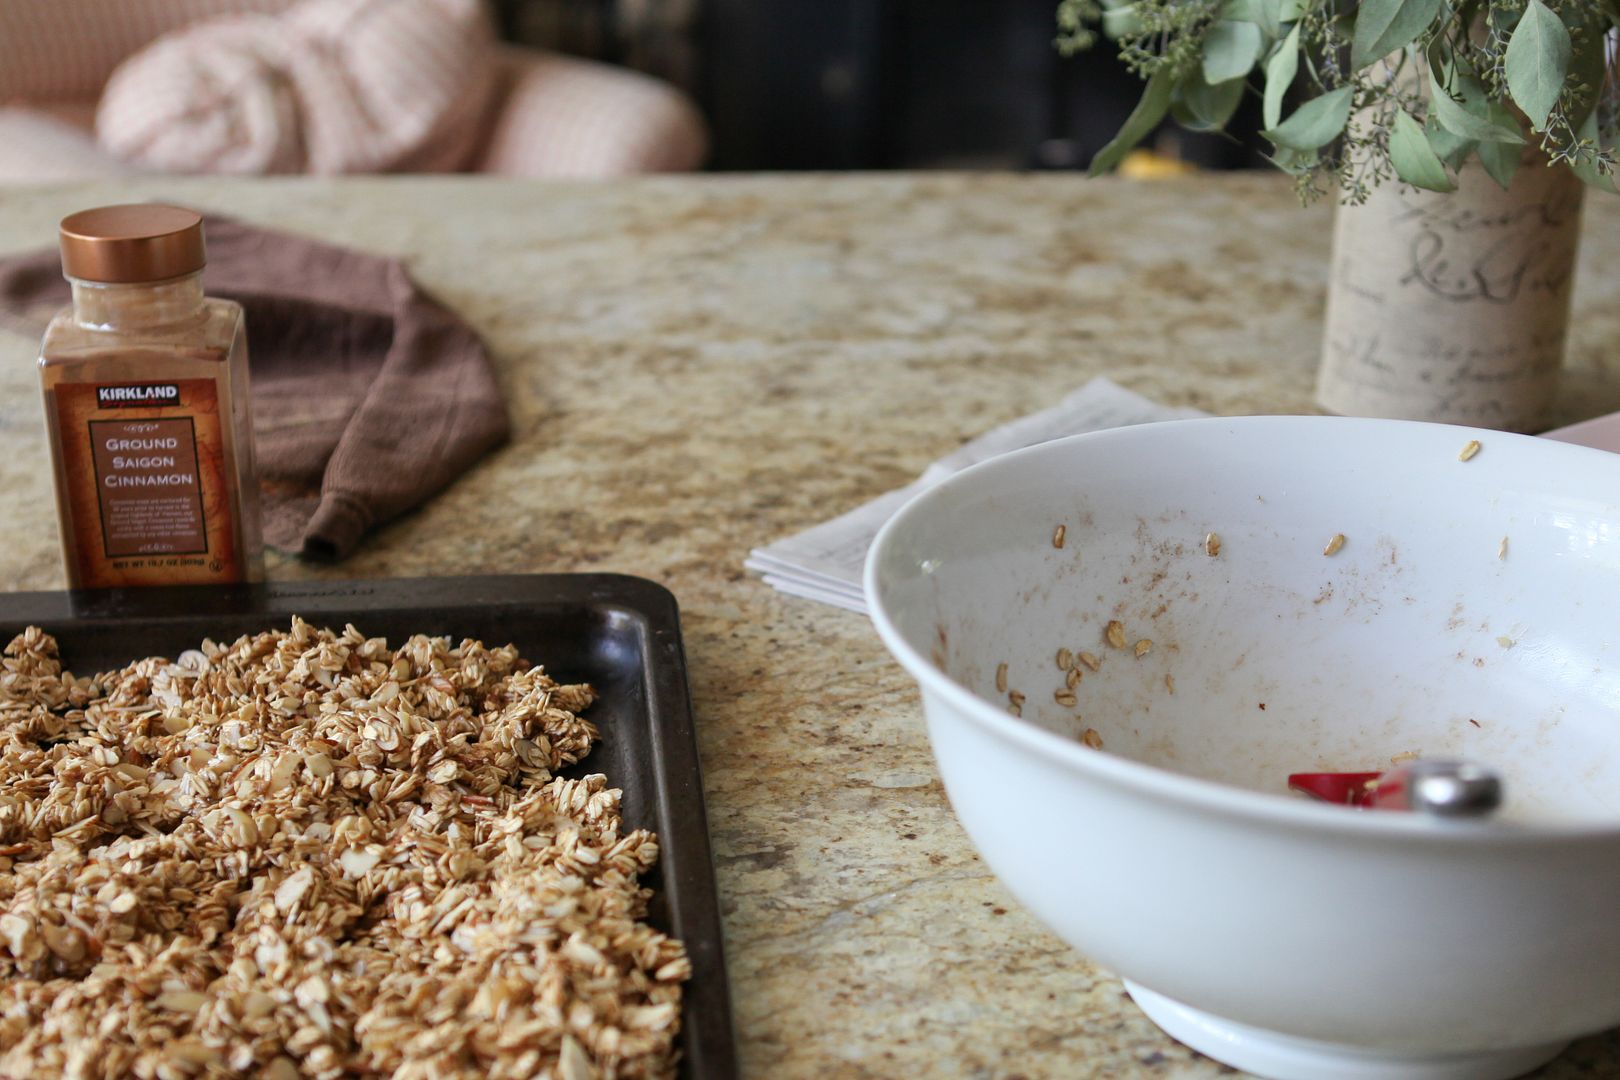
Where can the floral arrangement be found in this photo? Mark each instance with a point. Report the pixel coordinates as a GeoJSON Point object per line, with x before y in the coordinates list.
{"type": "Point", "coordinates": [1353, 93]}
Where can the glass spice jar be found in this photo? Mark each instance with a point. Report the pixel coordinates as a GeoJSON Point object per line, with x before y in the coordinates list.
{"type": "Point", "coordinates": [147, 408]}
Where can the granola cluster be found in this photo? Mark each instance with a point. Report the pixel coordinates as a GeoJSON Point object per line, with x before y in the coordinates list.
{"type": "Point", "coordinates": [306, 854]}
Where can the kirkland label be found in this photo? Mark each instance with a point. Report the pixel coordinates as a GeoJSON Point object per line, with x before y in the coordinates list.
{"type": "Point", "coordinates": [142, 395]}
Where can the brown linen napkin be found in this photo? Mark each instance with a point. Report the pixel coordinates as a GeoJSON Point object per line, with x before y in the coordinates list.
{"type": "Point", "coordinates": [369, 395]}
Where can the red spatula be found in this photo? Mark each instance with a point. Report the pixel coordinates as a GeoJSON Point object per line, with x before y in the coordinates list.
{"type": "Point", "coordinates": [1442, 788]}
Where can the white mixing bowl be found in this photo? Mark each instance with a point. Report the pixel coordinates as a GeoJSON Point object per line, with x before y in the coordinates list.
{"type": "Point", "coordinates": [1472, 612]}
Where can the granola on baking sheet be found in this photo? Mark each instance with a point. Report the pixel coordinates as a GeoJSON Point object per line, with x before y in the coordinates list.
{"type": "Point", "coordinates": [306, 854]}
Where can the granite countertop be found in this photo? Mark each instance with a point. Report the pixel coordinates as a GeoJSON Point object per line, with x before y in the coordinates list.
{"type": "Point", "coordinates": [699, 365]}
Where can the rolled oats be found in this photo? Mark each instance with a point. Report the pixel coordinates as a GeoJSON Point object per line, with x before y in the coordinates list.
{"type": "Point", "coordinates": [307, 855]}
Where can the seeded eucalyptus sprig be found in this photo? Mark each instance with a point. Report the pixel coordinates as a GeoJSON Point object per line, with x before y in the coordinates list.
{"type": "Point", "coordinates": [1409, 88]}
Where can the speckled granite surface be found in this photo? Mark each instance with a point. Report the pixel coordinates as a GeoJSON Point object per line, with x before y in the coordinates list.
{"type": "Point", "coordinates": [699, 365]}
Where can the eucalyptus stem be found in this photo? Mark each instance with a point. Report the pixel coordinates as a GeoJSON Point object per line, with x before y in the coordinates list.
{"type": "Point", "coordinates": [1362, 91]}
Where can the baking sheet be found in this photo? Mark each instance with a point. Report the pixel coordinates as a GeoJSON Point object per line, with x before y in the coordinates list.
{"type": "Point", "coordinates": [621, 634]}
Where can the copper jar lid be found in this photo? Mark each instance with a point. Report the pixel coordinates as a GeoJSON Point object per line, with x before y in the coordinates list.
{"type": "Point", "coordinates": [132, 243]}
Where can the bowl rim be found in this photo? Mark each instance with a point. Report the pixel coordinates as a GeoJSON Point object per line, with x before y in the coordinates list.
{"type": "Point", "coordinates": [1195, 793]}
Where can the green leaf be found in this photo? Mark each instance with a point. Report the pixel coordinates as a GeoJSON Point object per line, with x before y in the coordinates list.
{"type": "Point", "coordinates": [1503, 117]}
{"type": "Point", "coordinates": [1460, 121]}
{"type": "Point", "coordinates": [1270, 20]}
{"type": "Point", "coordinates": [1382, 26]}
{"type": "Point", "coordinates": [1501, 161]}
{"type": "Point", "coordinates": [1587, 169]}
{"type": "Point", "coordinates": [1414, 160]}
{"type": "Point", "coordinates": [1293, 162]}
{"type": "Point", "coordinates": [1452, 149]}
{"type": "Point", "coordinates": [1315, 123]}
{"type": "Point", "coordinates": [1143, 119]}
{"type": "Point", "coordinates": [1230, 51]}
{"type": "Point", "coordinates": [1590, 176]}
{"type": "Point", "coordinates": [1291, 11]}
{"type": "Point", "coordinates": [1280, 72]}
{"type": "Point", "coordinates": [1203, 107]}
{"type": "Point", "coordinates": [1266, 14]}
{"type": "Point", "coordinates": [1536, 62]}
{"type": "Point", "coordinates": [1121, 21]}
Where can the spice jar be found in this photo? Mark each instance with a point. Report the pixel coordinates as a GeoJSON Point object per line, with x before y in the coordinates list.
{"type": "Point", "coordinates": [147, 408]}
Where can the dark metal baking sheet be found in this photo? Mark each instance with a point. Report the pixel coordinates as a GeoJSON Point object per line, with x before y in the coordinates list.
{"type": "Point", "coordinates": [621, 634]}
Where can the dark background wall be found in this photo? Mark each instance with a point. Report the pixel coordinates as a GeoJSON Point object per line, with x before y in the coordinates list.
{"type": "Point", "coordinates": [871, 84]}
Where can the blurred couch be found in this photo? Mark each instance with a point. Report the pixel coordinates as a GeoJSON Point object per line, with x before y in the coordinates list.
{"type": "Point", "coordinates": [538, 114]}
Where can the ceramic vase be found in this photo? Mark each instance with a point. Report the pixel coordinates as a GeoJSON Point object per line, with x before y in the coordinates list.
{"type": "Point", "coordinates": [1453, 307]}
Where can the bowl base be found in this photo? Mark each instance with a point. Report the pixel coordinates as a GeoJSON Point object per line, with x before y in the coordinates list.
{"type": "Point", "coordinates": [1283, 1057]}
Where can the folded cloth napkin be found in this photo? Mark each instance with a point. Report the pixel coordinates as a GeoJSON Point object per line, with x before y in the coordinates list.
{"type": "Point", "coordinates": [368, 394]}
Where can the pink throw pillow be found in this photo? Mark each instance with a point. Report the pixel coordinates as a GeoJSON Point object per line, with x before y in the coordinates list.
{"type": "Point", "coordinates": [329, 86]}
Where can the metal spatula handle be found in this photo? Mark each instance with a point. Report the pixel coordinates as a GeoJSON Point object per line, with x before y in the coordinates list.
{"type": "Point", "coordinates": [1442, 788]}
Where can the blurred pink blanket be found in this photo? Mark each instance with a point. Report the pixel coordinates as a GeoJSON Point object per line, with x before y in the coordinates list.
{"type": "Point", "coordinates": [327, 86]}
